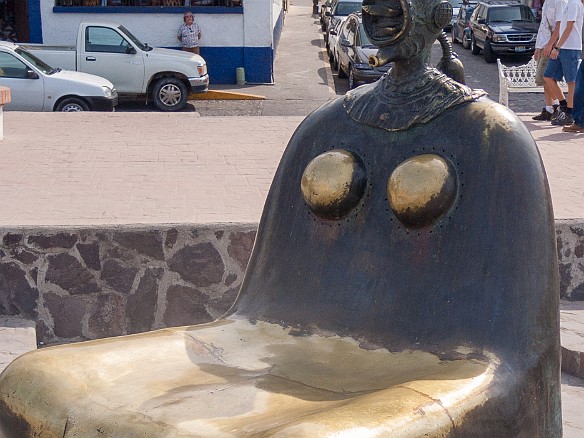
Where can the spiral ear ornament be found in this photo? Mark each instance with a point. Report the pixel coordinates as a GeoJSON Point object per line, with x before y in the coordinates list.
{"type": "Point", "coordinates": [442, 14]}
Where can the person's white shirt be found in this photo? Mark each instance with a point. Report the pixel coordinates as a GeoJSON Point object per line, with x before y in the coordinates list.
{"type": "Point", "coordinates": [551, 13]}
{"type": "Point", "coordinates": [574, 11]}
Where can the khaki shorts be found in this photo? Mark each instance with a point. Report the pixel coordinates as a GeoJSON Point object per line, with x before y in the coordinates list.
{"type": "Point", "coordinates": [542, 63]}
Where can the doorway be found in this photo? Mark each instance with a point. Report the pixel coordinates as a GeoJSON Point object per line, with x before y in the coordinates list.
{"type": "Point", "coordinates": [14, 21]}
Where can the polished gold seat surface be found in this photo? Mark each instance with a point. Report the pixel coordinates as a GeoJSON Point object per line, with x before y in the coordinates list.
{"type": "Point", "coordinates": [237, 378]}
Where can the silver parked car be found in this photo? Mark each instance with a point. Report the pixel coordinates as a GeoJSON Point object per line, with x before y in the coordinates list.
{"type": "Point", "coordinates": [354, 49]}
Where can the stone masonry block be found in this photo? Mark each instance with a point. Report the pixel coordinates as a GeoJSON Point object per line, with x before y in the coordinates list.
{"type": "Point", "coordinates": [67, 272]}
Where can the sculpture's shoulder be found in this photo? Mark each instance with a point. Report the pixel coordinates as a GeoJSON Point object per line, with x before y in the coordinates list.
{"type": "Point", "coordinates": [491, 122]}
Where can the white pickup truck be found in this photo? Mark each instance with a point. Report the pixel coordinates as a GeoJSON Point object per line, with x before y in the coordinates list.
{"type": "Point", "coordinates": [164, 75]}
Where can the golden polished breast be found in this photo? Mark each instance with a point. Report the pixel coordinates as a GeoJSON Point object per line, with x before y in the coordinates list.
{"type": "Point", "coordinates": [333, 183]}
{"type": "Point", "coordinates": [421, 189]}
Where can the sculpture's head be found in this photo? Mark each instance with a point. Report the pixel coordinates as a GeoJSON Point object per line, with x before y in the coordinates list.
{"type": "Point", "coordinates": [403, 29]}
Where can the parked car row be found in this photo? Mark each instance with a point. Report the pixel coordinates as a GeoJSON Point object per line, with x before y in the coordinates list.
{"type": "Point", "coordinates": [353, 51]}
{"type": "Point", "coordinates": [347, 44]}
{"type": "Point", "coordinates": [336, 11]}
{"type": "Point", "coordinates": [460, 30]}
{"type": "Point", "coordinates": [44, 78]}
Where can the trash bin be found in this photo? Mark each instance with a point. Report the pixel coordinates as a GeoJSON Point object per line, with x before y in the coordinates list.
{"type": "Point", "coordinates": [240, 75]}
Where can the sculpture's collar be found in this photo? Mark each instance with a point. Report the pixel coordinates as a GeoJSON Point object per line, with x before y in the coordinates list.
{"type": "Point", "coordinates": [396, 106]}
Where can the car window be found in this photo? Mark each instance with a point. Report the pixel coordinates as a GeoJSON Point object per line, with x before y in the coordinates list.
{"type": "Point", "coordinates": [41, 65]}
{"type": "Point", "coordinates": [351, 33]}
{"type": "Point", "coordinates": [135, 40]}
{"type": "Point", "coordinates": [344, 30]}
{"type": "Point", "coordinates": [346, 8]}
{"type": "Point", "coordinates": [11, 66]}
{"type": "Point", "coordinates": [510, 13]}
{"type": "Point", "coordinates": [363, 39]}
{"type": "Point", "coordinates": [104, 39]}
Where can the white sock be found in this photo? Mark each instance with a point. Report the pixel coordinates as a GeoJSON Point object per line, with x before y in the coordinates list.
{"type": "Point", "coordinates": [549, 109]}
{"type": "Point", "coordinates": [556, 102]}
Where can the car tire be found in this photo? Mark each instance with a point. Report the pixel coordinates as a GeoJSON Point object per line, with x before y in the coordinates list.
{"type": "Point", "coordinates": [169, 94]}
{"type": "Point", "coordinates": [351, 78]}
{"type": "Point", "coordinates": [335, 63]}
{"type": "Point", "coordinates": [72, 105]}
{"type": "Point", "coordinates": [342, 74]}
{"type": "Point", "coordinates": [488, 53]}
{"type": "Point", "coordinates": [475, 49]}
{"type": "Point", "coordinates": [465, 41]}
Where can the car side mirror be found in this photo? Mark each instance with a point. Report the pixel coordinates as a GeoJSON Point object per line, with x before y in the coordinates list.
{"type": "Point", "coordinates": [31, 74]}
{"type": "Point", "coordinates": [130, 50]}
{"type": "Point", "coordinates": [345, 43]}
{"type": "Point", "coordinates": [333, 32]}
{"type": "Point", "coordinates": [481, 21]}
{"type": "Point", "coordinates": [328, 14]}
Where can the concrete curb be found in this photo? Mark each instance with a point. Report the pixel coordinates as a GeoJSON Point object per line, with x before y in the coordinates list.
{"type": "Point", "coordinates": [572, 334]}
{"type": "Point", "coordinates": [17, 336]}
{"type": "Point", "coordinates": [224, 95]}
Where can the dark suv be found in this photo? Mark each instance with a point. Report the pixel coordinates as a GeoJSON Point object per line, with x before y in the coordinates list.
{"type": "Point", "coordinates": [502, 27]}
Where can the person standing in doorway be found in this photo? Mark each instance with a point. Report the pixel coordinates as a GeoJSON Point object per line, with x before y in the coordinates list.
{"type": "Point", "coordinates": [189, 34]}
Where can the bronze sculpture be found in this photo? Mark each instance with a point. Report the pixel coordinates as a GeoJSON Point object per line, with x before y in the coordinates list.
{"type": "Point", "coordinates": [403, 283]}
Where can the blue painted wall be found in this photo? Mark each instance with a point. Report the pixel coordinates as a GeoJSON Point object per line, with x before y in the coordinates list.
{"type": "Point", "coordinates": [222, 62]}
{"type": "Point", "coordinates": [34, 21]}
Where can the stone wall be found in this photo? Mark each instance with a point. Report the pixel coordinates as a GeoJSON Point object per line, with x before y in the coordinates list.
{"type": "Point", "coordinates": [570, 238]}
{"type": "Point", "coordinates": [91, 283]}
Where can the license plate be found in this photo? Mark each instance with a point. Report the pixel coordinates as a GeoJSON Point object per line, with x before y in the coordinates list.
{"type": "Point", "coordinates": [520, 49]}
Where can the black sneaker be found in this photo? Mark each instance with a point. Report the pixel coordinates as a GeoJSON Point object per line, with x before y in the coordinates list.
{"type": "Point", "coordinates": [563, 119]}
{"type": "Point", "coordinates": [544, 115]}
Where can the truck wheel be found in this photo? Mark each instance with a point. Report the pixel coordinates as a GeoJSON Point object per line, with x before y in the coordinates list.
{"type": "Point", "coordinates": [465, 40]}
{"type": "Point", "coordinates": [489, 54]}
{"type": "Point", "coordinates": [169, 94]}
{"type": "Point", "coordinates": [352, 83]}
{"type": "Point", "coordinates": [473, 43]}
{"type": "Point", "coordinates": [72, 105]}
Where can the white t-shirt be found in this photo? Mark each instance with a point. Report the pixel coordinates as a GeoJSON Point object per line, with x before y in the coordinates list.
{"type": "Point", "coordinates": [551, 13]}
{"type": "Point", "coordinates": [574, 11]}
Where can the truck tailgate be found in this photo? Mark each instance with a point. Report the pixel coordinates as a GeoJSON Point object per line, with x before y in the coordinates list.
{"type": "Point", "coordinates": [63, 57]}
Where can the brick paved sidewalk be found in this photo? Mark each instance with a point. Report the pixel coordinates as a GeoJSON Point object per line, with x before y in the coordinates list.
{"type": "Point", "coordinates": [120, 168]}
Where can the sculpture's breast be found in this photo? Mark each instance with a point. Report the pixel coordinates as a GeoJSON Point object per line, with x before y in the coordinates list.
{"type": "Point", "coordinates": [419, 190]}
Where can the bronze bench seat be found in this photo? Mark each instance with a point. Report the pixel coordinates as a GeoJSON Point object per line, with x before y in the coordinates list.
{"type": "Point", "coordinates": [236, 378]}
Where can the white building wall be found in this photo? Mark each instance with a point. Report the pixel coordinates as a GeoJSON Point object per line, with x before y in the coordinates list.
{"type": "Point", "coordinates": [257, 23]}
{"type": "Point", "coordinates": [159, 30]}
{"type": "Point", "coordinates": [276, 11]}
{"type": "Point", "coordinates": [229, 40]}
